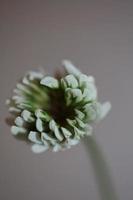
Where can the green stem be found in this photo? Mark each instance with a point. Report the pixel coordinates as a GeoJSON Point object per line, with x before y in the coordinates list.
{"type": "Point", "coordinates": [101, 170]}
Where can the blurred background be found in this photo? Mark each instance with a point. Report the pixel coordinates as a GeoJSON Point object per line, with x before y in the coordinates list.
{"type": "Point", "coordinates": [97, 36]}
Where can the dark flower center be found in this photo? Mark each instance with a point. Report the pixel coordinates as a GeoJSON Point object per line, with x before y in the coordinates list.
{"type": "Point", "coordinates": [58, 108]}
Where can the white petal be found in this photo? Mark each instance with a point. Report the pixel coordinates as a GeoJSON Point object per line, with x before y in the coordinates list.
{"type": "Point", "coordinates": [23, 88]}
{"type": "Point", "coordinates": [45, 136]}
{"type": "Point", "coordinates": [42, 115]}
{"type": "Point", "coordinates": [73, 142]}
{"type": "Point", "coordinates": [77, 94]}
{"type": "Point", "coordinates": [34, 75]}
{"type": "Point", "coordinates": [80, 123]}
{"type": "Point", "coordinates": [105, 108]}
{"type": "Point", "coordinates": [39, 125]}
{"type": "Point", "coordinates": [39, 113]}
{"type": "Point", "coordinates": [16, 130]}
{"type": "Point", "coordinates": [54, 128]}
{"type": "Point", "coordinates": [58, 134]}
{"type": "Point", "coordinates": [34, 137]}
{"type": "Point", "coordinates": [50, 82]}
{"type": "Point", "coordinates": [18, 99]}
{"type": "Point", "coordinates": [93, 111]}
{"type": "Point", "coordinates": [78, 133]}
{"type": "Point", "coordinates": [70, 68]}
{"type": "Point", "coordinates": [13, 109]}
{"type": "Point", "coordinates": [36, 148]}
{"type": "Point", "coordinates": [18, 92]}
{"type": "Point", "coordinates": [63, 83]}
{"type": "Point", "coordinates": [71, 122]}
{"type": "Point", "coordinates": [27, 116]}
{"type": "Point", "coordinates": [80, 114]}
{"type": "Point", "coordinates": [71, 81]}
{"type": "Point", "coordinates": [19, 121]}
{"type": "Point", "coordinates": [68, 96]}
{"type": "Point", "coordinates": [66, 132]}
{"type": "Point", "coordinates": [73, 93]}
{"type": "Point", "coordinates": [25, 81]}
{"type": "Point", "coordinates": [85, 81]}
{"type": "Point", "coordinates": [23, 106]}
{"type": "Point", "coordinates": [90, 93]}
{"type": "Point", "coordinates": [8, 101]}
{"type": "Point", "coordinates": [52, 125]}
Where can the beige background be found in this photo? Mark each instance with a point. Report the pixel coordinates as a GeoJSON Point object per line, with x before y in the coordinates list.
{"type": "Point", "coordinates": [98, 37]}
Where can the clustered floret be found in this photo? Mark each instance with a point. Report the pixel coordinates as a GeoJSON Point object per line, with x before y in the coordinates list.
{"type": "Point", "coordinates": [55, 112]}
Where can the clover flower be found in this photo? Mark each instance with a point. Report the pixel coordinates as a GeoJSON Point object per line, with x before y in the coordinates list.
{"type": "Point", "coordinates": [54, 112]}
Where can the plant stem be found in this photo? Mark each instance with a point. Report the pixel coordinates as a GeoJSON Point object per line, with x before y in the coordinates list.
{"type": "Point", "coordinates": [101, 170]}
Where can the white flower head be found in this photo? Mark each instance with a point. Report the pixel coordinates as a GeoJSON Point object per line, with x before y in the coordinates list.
{"type": "Point", "coordinates": [55, 113]}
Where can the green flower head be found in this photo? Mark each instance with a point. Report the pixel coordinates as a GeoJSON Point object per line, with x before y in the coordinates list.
{"type": "Point", "coordinates": [56, 112]}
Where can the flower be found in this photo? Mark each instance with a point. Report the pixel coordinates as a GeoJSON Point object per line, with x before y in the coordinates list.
{"type": "Point", "coordinates": [54, 112]}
